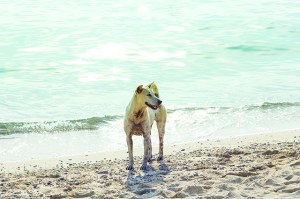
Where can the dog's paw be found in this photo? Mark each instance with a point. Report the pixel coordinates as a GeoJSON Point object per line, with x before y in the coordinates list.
{"type": "Point", "coordinates": [130, 167]}
{"type": "Point", "coordinates": [160, 158]}
{"type": "Point", "coordinates": [150, 159]}
{"type": "Point", "coordinates": [144, 167]}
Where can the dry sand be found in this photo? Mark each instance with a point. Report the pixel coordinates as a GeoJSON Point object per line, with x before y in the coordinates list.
{"type": "Point", "coordinates": [257, 166]}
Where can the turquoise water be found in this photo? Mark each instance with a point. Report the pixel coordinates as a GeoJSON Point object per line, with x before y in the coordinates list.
{"type": "Point", "coordinates": [69, 68]}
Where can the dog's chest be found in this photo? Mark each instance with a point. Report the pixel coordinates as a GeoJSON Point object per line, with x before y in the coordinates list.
{"type": "Point", "coordinates": [137, 129]}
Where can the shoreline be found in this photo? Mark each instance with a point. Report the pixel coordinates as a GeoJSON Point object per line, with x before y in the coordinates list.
{"type": "Point", "coordinates": [260, 165]}
{"type": "Point", "coordinates": [47, 163]}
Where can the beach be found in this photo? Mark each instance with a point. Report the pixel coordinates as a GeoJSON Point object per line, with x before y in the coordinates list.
{"type": "Point", "coordinates": [227, 73]}
{"type": "Point", "coordinates": [254, 166]}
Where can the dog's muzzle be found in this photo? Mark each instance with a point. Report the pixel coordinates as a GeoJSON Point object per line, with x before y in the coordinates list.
{"type": "Point", "coordinates": [154, 107]}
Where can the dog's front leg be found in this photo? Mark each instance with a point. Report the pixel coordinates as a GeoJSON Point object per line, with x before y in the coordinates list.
{"type": "Point", "coordinates": [147, 146]}
{"type": "Point", "coordinates": [129, 145]}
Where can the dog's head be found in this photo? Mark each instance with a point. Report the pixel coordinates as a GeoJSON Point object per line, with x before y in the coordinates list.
{"type": "Point", "coordinates": [146, 96]}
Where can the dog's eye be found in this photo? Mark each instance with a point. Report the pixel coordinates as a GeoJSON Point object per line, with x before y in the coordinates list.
{"type": "Point", "coordinates": [149, 95]}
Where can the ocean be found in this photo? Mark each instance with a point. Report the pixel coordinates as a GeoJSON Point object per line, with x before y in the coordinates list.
{"type": "Point", "coordinates": [69, 68]}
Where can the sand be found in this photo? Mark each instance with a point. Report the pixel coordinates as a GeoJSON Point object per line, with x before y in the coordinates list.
{"type": "Point", "coordinates": [257, 166]}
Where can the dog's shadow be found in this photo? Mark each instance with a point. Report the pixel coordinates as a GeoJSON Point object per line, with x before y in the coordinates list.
{"type": "Point", "coordinates": [141, 182]}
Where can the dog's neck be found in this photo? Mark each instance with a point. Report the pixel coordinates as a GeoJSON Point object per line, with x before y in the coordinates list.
{"type": "Point", "coordinates": [138, 112]}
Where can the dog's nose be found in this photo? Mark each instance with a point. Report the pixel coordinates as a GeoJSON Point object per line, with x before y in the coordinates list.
{"type": "Point", "coordinates": [159, 102]}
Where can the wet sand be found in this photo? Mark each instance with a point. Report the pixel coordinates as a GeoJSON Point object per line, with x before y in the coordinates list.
{"type": "Point", "coordinates": [256, 166]}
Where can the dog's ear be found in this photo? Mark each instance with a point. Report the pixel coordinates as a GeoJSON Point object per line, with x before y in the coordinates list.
{"type": "Point", "coordinates": [149, 85]}
{"type": "Point", "coordinates": [139, 89]}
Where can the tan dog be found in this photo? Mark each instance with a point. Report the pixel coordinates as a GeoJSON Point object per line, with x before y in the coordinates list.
{"type": "Point", "coordinates": [145, 107]}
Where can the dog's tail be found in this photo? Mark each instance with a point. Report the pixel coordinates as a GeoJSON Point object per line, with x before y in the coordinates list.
{"type": "Point", "coordinates": [154, 88]}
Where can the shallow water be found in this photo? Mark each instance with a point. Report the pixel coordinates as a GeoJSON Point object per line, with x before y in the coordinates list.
{"type": "Point", "coordinates": [68, 70]}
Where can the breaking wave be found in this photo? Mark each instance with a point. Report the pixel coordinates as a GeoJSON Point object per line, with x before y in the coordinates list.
{"type": "Point", "coordinates": [94, 123]}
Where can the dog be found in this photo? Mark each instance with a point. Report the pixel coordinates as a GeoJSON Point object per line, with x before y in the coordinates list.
{"type": "Point", "coordinates": [144, 108]}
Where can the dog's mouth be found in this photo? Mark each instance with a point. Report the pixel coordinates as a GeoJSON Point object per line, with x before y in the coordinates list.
{"type": "Point", "coordinates": [154, 107]}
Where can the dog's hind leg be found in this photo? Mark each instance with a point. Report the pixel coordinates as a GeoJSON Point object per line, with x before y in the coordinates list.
{"type": "Point", "coordinates": [150, 151]}
{"type": "Point", "coordinates": [130, 144]}
{"type": "Point", "coordinates": [161, 132]}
